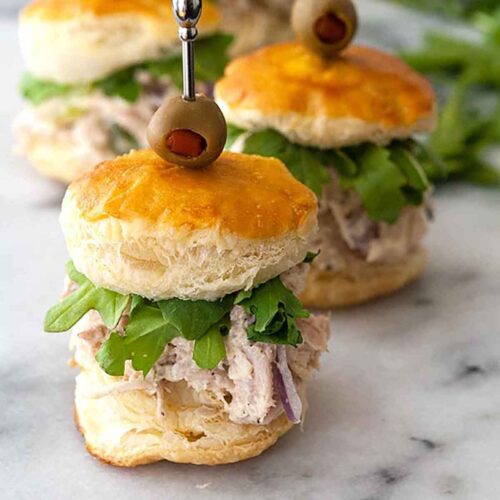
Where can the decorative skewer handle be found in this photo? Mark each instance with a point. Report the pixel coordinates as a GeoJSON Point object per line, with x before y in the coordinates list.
{"type": "Point", "coordinates": [188, 130]}
{"type": "Point", "coordinates": [187, 13]}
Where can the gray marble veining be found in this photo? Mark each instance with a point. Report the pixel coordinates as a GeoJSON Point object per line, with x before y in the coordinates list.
{"type": "Point", "coordinates": [407, 406]}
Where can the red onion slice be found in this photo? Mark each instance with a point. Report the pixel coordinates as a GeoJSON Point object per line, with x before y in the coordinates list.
{"type": "Point", "coordinates": [285, 387]}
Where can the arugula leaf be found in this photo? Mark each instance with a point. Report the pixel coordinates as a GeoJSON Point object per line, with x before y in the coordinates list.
{"type": "Point", "coordinates": [275, 308]}
{"type": "Point", "coordinates": [379, 184]}
{"type": "Point", "coordinates": [194, 318]}
{"type": "Point", "coordinates": [210, 349]}
{"type": "Point", "coordinates": [340, 161]}
{"type": "Point", "coordinates": [210, 64]}
{"type": "Point", "coordinates": [152, 325]}
{"type": "Point", "coordinates": [452, 8]}
{"type": "Point", "coordinates": [211, 60]}
{"type": "Point", "coordinates": [73, 274]}
{"type": "Point", "coordinates": [212, 56]}
{"type": "Point", "coordinates": [112, 355]}
{"type": "Point", "coordinates": [469, 71]}
{"type": "Point", "coordinates": [146, 337]}
{"type": "Point", "coordinates": [302, 162]}
{"type": "Point", "coordinates": [122, 84]}
{"type": "Point", "coordinates": [135, 302]}
{"type": "Point", "coordinates": [306, 166]}
{"type": "Point", "coordinates": [311, 256]}
{"type": "Point", "coordinates": [37, 91]}
{"type": "Point", "coordinates": [283, 330]}
{"type": "Point", "coordinates": [410, 167]}
{"type": "Point", "coordinates": [233, 132]}
{"type": "Point", "coordinates": [266, 142]}
{"type": "Point", "coordinates": [65, 314]}
{"type": "Point", "coordinates": [169, 65]}
{"type": "Point", "coordinates": [387, 179]}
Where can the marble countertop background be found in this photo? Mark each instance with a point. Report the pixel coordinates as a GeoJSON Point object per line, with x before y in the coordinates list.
{"type": "Point", "coordinates": [406, 407]}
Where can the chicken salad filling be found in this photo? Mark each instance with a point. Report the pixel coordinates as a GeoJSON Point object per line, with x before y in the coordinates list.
{"type": "Point", "coordinates": [259, 373]}
{"type": "Point", "coordinates": [109, 117]}
{"type": "Point", "coordinates": [373, 200]}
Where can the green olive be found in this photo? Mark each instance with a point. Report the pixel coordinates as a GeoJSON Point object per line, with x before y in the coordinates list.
{"type": "Point", "coordinates": [188, 133]}
{"type": "Point", "coordinates": [325, 26]}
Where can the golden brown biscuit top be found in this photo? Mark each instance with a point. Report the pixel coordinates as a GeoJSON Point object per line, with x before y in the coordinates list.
{"type": "Point", "coordinates": [63, 10]}
{"type": "Point", "coordinates": [362, 83]}
{"type": "Point", "coordinates": [250, 196]}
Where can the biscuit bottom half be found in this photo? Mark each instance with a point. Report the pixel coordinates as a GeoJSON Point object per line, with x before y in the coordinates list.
{"type": "Point", "coordinates": [337, 289]}
{"type": "Point", "coordinates": [126, 429]}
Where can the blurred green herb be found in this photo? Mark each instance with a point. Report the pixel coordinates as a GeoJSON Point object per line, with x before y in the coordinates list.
{"type": "Point", "coordinates": [211, 61]}
{"type": "Point", "coordinates": [469, 122]}
{"type": "Point", "coordinates": [452, 8]}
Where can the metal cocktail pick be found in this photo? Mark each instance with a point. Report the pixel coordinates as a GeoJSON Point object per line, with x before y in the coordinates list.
{"type": "Point", "coordinates": [187, 14]}
{"type": "Point", "coordinates": [188, 130]}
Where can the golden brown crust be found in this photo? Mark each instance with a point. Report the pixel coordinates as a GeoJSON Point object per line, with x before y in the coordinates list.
{"type": "Point", "coordinates": [363, 83]}
{"type": "Point", "coordinates": [333, 290]}
{"type": "Point", "coordinates": [249, 196]}
{"type": "Point", "coordinates": [125, 430]}
{"type": "Point", "coordinates": [63, 10]}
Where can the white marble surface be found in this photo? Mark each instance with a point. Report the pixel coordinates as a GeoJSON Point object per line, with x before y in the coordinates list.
{"type": "Point", "coordinates": [407, 406]}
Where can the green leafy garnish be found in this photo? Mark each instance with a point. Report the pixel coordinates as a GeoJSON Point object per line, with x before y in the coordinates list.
{"type": "Point", "coordinates": [121, 84]}
{"type": "Point", "coordinates": [386, 178]}
{"type": "Point", "coordinates": [75, 275]}
{"type": "Point", "coordinates": [72, 308]}
{"type": "Point", "coordinates": [275, 308]}
{"type": "Point", "coordinates": [152, 325]}
{"type": "Point", "coordinates": [168, 65]}
{"type": "Point", "coordinates": [37, 91]}
{"type": "Point", "coordinates": [311, 256]}
{"type": "Point", "coordinates": [302, 162]}
{"type": "Point", "coordinates": [210, 349]}
{"type": "Point", "coordinates": [212, 56]}
{"type": "Point", "coordinates": [211, 61]}
{"type": "Point", "coordinates": [379, 184]}
{"type": "Point", "coordinates": [233, 132]}
{"type": "Point", "coordinates": [146, 337]}
{"type": "Point", "coordinates": [112, 355]}
{"type": "Point", "coordinates": [469, 72]}
{"type": "Point", "coordinates": [194, 318]}
{"type": "Point", "coordinates": [452, 8]}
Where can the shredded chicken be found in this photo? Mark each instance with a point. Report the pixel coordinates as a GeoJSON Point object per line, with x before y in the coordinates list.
{"type": "Point", "coordinates": [295, 278]}
{"type": "Point", "coordinates": [243, 382]}
{"type": "Point", "coordinates": [347, 233]}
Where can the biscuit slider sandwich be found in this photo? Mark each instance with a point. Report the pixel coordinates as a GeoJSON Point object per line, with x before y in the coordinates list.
{"type": "Point", "coordinates": [97, 70]}
{"type": "Point", "coordinates": [343, 120]}
{"type": "Point", "coordinates": [182, 293]}
{"type": "Point", "coordinates": [182, 299]}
